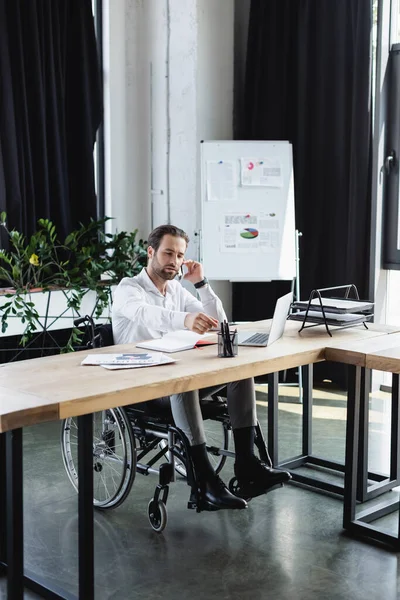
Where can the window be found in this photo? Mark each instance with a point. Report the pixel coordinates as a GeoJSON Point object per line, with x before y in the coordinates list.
{"type": "Point", "coordinates": [391, 244]}
{"type": "Point", "coordinates": [391, 256]}
{"type": "Point", "coordinates": [97, 7]}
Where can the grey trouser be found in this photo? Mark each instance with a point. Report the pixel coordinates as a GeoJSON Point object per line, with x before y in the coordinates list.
{"type": "Point", "coordinates": [187, 415]}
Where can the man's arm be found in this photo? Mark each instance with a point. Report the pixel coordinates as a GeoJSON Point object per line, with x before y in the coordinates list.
{"type": "Point", "coordinates": [209, 301]}
{"type": "Point", "coordinates": [130, 302]}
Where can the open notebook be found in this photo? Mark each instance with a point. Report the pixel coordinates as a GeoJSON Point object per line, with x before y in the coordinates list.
{"type": "Point", "coordinates": [176, 341]}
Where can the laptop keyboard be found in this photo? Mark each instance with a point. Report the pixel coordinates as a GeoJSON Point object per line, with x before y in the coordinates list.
{"type": "Point", "coordinates": [257, 338]}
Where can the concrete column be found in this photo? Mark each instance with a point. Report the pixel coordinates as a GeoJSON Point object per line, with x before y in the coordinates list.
{"type": "Point", "coordinates": [169, 84]}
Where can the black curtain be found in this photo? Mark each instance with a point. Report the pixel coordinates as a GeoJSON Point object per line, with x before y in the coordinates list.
{"type": "Point", "coordinates": [50, 109]}
{"type": "Point", "coordinates": [308, 81]}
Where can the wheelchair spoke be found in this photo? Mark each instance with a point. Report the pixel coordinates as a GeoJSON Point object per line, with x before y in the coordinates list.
{"type": "Point", "coordinates": [103, 481]}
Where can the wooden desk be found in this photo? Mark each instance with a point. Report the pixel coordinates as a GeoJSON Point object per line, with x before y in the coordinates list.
{"type": "Point", "coordinates": [341, 348]}
{"type": "Point", "coordinates": [382, 354]}
{"type": "Point", "coordinates": [355, 352]}
{"type": "Point", "coordinates": [56, 387]}
{"type": "Point", "coordinates": [385, 359]}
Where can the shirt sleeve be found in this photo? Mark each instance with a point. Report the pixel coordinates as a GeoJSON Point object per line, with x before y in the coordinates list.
{"type": "Point", "coordinates": [209, 303]}
{"type": "Point", "coordinates": [130, 302]}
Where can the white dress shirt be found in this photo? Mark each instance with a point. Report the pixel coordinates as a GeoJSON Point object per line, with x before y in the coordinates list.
{"type": "Point", "coordinates": [140, 311]}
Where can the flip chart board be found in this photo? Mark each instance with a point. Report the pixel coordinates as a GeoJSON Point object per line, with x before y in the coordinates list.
{"type": "Point", "coordinates": [247, 210]}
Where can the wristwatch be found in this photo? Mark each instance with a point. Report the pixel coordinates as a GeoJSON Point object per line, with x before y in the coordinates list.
{"type": "Point", "coordinates": [201, 283]}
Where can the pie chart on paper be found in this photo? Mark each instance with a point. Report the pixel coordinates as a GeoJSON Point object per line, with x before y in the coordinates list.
{"type": "Point", "coordinates": [249, 233]}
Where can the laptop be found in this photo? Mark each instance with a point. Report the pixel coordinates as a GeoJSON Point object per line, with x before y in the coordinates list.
{"type": "Point", "coordinates": [254, 338]}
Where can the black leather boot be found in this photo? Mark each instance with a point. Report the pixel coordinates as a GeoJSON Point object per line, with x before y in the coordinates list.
{"type": "Point", "coordinates": [210, 493]}
{"type": "Point", "coordinates": [213, 494]}
{"type": "Point", "coordinates": [255, 477]}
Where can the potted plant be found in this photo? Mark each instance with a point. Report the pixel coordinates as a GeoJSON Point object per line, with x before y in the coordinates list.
{"type": "Point", "coordinates": [87, 260]}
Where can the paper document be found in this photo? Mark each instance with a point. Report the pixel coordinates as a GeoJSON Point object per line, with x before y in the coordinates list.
{"type": "Point", "coordinates": [176, 341]}
{"type": "Point", "coordinates": [344, 304]}
{"type": "Point", "coordinates": [348, 317]}
{"type": "Point", "coordinates": [253, 232]}
{"type": "Point", "coordinates": [127, 360]}
{"type": "Point", "coordinates": [166, 361]}
{"type": "Point", "coordinates": [335, 319]}
{"type": "Point", "coordinates": [265, 172]}
{"type": "Point", "coordinates": [221, 181]}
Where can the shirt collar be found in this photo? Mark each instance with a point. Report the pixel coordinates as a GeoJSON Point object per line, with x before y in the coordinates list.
{"type": "Point", "coordinates": [148, 284]}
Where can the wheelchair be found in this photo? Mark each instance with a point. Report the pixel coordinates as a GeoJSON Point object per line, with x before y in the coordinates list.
{"type": "Point", "coordinates": [142, 439]}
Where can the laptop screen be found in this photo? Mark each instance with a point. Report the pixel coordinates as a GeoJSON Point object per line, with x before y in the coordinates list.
{"type": "Point", "coordinates": [281, 312]}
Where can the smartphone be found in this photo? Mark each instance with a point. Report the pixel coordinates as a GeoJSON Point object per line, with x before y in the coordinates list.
{"type": "Point", "coordinates": [180, 273]}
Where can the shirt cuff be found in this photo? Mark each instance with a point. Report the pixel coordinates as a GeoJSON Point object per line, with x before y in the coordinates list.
{"type": "Point", "coordinates": [178, 320]}
{"type": "Point", "coordinates": [206, 292]}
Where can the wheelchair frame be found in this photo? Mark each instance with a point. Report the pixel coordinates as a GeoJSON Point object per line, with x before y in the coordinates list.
{"type": "Point", "coordinates": [124, 437]}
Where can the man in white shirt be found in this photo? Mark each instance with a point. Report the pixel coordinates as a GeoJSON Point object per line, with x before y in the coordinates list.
{"type": "Point", "coordinates": [152, 304]}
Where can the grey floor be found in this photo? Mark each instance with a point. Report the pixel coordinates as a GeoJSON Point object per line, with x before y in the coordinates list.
{"type": "Point", "coordinates": [288, 545]}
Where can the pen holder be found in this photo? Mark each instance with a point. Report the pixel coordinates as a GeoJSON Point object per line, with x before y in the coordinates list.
{"type": "Point", "coordinates": [227, 346]}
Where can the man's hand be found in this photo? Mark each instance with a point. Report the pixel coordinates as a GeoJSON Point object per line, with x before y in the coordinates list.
{"type": "Point", "coordinates": [195, 272]}
{"type": "Point", "coordinates": [200, 322]}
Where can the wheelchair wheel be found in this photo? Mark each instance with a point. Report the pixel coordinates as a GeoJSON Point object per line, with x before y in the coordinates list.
{"type": "Point", "coordinates": [114, 456]}
{"type": "Point", "coordinates": [157, 513]}
{"type": "Point", "coordinates": [218, 437]}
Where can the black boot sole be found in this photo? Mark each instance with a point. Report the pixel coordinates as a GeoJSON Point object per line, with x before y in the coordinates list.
{"type": "Point", "coordinates": [253, 492]}
{"type": "Point", "coordinates": [205, 504]}
{"type": "Point", "coordinates": [202, 505]}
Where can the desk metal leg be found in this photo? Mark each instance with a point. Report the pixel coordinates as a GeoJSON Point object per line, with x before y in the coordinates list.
{"type": "Point", "coordinates": [3, 515]}
{"type": "Point", "coordinates": [352, 437]}
{"type": "Point", "coordinates": [307, 382]}
{"type": "Point", "coordinates": [14, 509]}
{"type": "Point", "coordinates": [380, 483]}
{"type": "Point", "coordinates": [85, 507]}
{"type": "Point", "coordinates": [365, 489]}
{"type": "Point", "coordinates": [395, 430]}
{"type": "Point", "coordinates": [362, 524]}
{"type": "Point", "coordinates": [273, 386]}
{"type": "Point", "coordinates": [362, 467]}
{"type": "Point", "coordinates": [273, 398]}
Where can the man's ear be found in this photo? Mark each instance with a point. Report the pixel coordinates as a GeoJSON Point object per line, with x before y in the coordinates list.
{"type": "Point", "coordinates": [150, 252]}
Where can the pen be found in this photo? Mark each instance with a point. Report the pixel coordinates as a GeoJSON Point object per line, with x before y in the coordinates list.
{"type": "Point", "coordinates": [228, 339]}
{"type": "Point", "coordinates": [224, 340]}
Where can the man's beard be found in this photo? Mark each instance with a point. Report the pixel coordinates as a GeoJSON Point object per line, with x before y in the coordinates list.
{"type": "Point", "coordinates": [166, 275]}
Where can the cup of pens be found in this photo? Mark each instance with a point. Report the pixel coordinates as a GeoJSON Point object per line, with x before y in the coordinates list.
{"type": "Point", "coordinates": [227, 341]}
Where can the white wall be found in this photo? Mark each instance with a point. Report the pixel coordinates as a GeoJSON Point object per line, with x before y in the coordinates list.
{"type": "Point", "coordinates": [169, 84]}
{"type": "Point", "coordinates": [127, 116]}
{"type": "Point", "coordinates": [215, 91]}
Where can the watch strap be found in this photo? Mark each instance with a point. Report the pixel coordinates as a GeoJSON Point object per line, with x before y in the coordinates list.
{"type": "Point", "coordinates": [201, 283]}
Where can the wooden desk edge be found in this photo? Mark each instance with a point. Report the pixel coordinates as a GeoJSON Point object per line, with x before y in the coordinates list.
{"type": "Point", "coordinates": [383, 363]}
{"type": "Point", "coordinates": [24, 418]}
{"type": "Point", "coordinates": [348, 357]}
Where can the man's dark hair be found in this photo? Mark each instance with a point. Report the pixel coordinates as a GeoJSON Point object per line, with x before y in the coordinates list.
{"type": "Point", "coordinates": [155, 237]}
